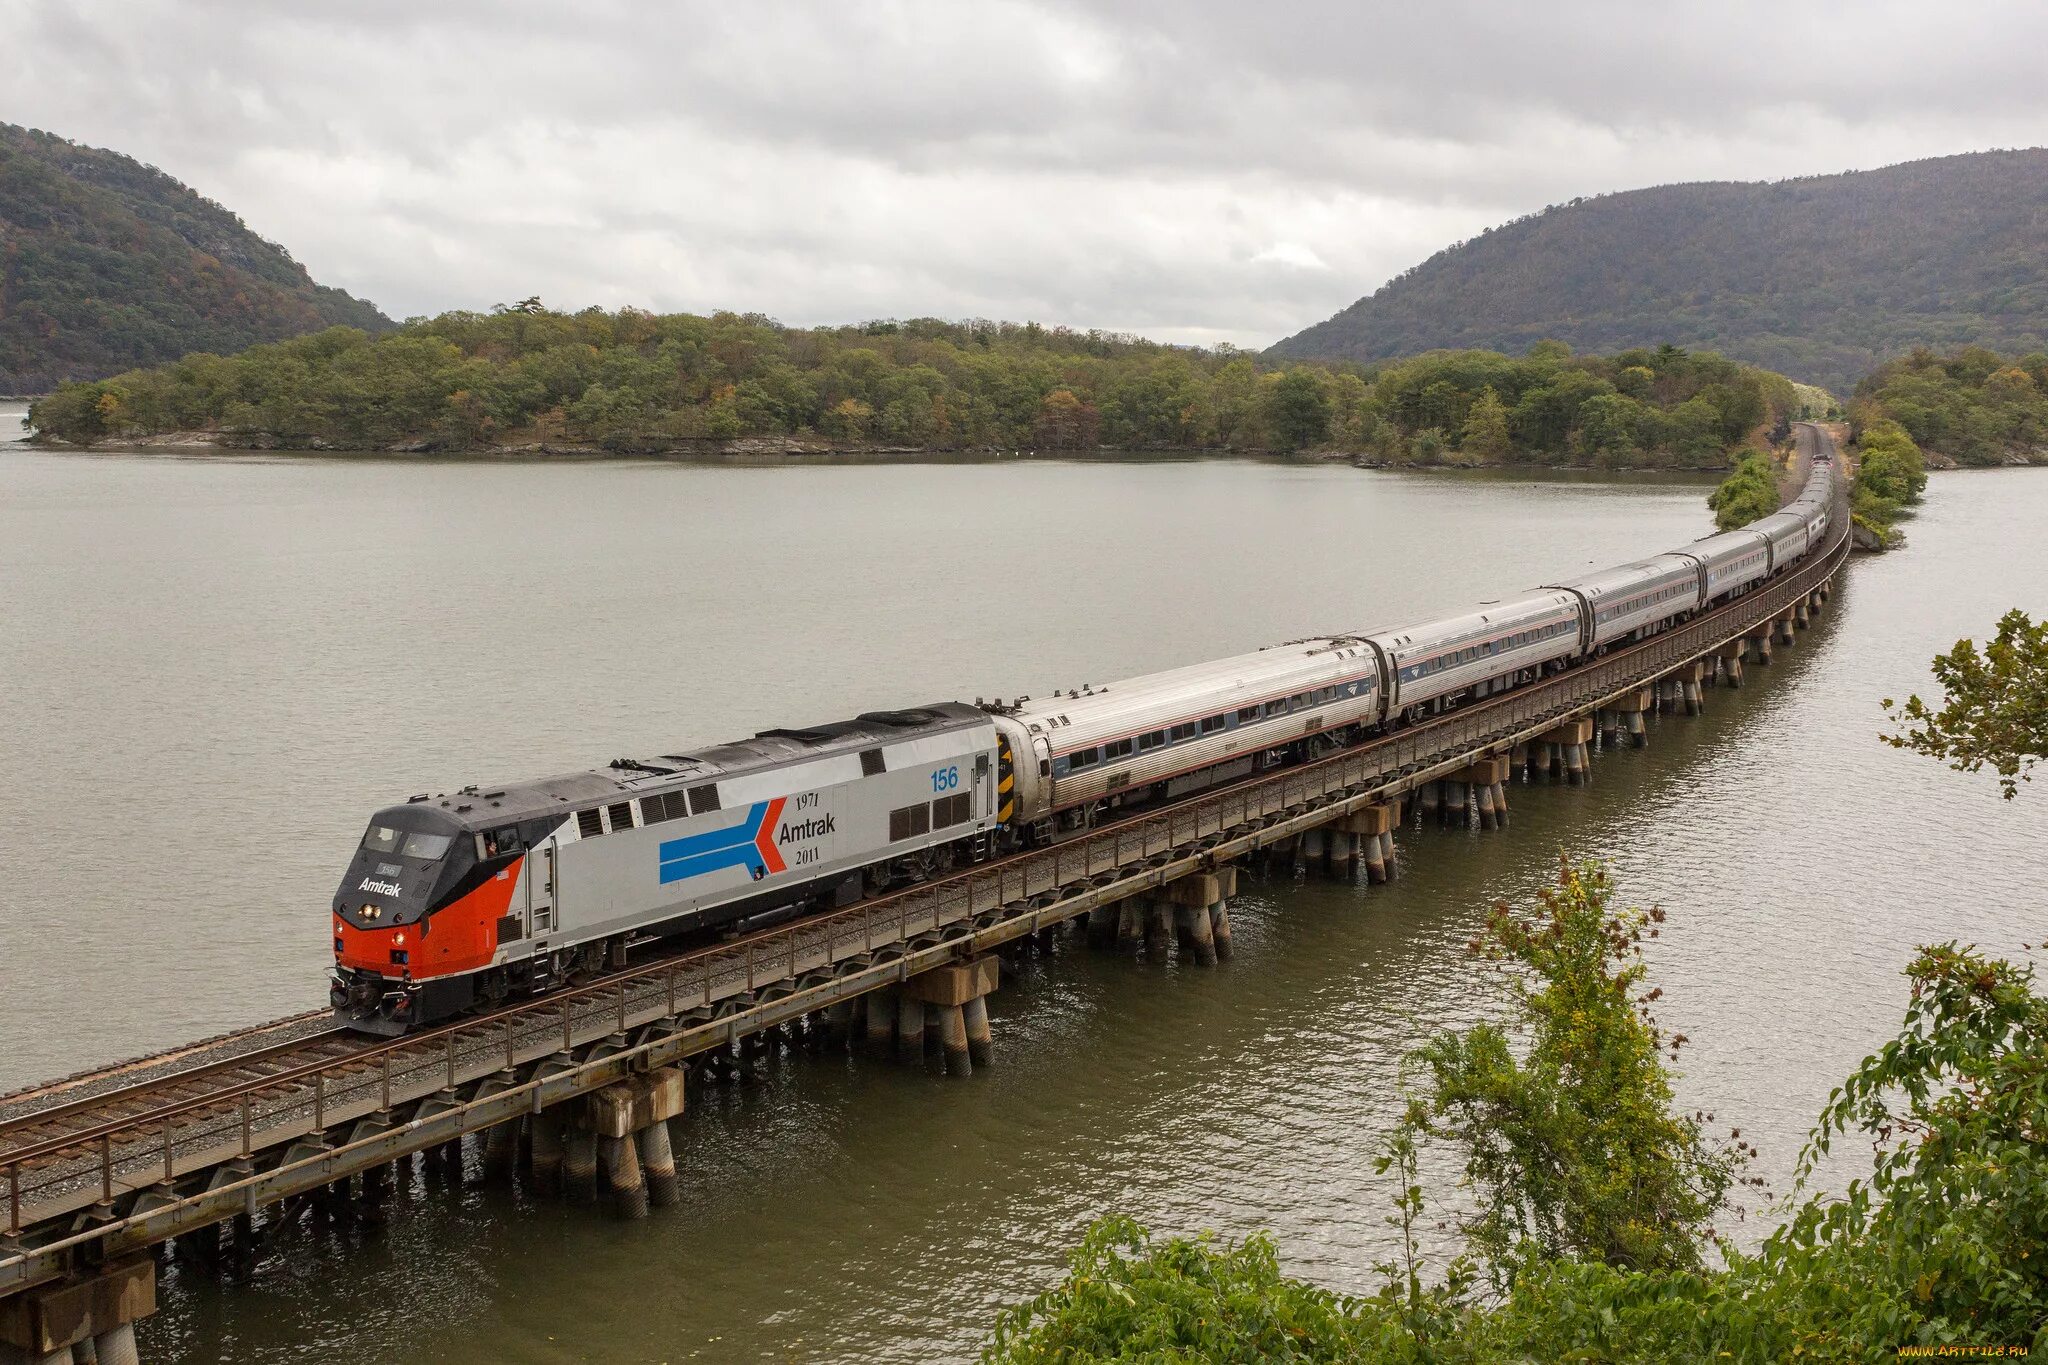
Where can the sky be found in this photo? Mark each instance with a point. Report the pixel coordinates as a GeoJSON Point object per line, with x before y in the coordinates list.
{"type": "Point", "coordinates": [1190, 170]}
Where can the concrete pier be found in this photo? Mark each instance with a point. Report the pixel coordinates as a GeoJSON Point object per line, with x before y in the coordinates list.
{"type": "Point", "coordinates": [839, 1022]}
{"type": "Point", "coordinates": [619, 1159]}
{"type": "Point", "coordinates": [90, 1317]}
{"type": "Point", "coordinates": [1485, 782]}
{"type": "Point", "coordinates": [658, 1165]}
{"type": "Point", "coordinates": [981, 1043]}
{"type": "Point", "coordinates": [881, 1023]}
{"type": "Point", "coordinates": [615, 1117]}
{"type": "Point", "coordinates": [1569, 741]}
{"type": "Point", "coordinates": [547, 1152]}
{"type": "Point", "coordinates": [953, 1041]}
{"type": "Point", "coordinates": [1130, 925]}
{"type": "Point", "coordinates": [1630, 709]}
{"type": "Point", "coordinates": [950, 988]}
{"type": "Point", "coordinates": [1158, 929]}
{"type": "Point", "coordinates": [910, 1028]}
{"type": "Point", "coordinates": [501, 1152]}
{"type": "Point", "coordinates": [1195, 898]}
{"type": "Point", "coordinates": [1731, 663]}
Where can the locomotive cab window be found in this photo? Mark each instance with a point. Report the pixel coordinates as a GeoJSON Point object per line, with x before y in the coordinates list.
{"type": "Point", "coordinates": [427, 846]}
{"type": "Point", "coordinates": [497, 843]}
{"type": "Point", "coordinates": [382, 839]}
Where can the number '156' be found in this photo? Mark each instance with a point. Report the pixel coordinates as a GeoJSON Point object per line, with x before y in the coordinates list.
{"type": "Point", "coordinates": [945, 779]}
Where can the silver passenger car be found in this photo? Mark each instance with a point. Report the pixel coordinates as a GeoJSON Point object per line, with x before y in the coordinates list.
{"type": "Point", "coordinates": [1479, 653]}
{"type": "Point", "coordinates": [1633, 600]}
{"type": "Point", "coordinates": [1732, 562]}
{"type": "Point", "coordinates": [1787, 533]}
{"type": "Point", "coordinates": [1168, 733]}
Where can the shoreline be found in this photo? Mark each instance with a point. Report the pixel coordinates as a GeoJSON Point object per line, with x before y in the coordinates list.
{"type": "Point", "coordinates": [791, 451]}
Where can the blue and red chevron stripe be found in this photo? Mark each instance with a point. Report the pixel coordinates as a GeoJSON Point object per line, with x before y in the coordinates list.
{"type": "Point", "coordinates": [749, 844]}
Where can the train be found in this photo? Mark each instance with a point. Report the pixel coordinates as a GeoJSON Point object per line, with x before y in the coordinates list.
{"type": "Point", "coordinates": [461, 901]}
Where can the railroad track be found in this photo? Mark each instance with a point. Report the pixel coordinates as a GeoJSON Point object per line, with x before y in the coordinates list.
{"type": "Point", "coordinates": [106, 1129]}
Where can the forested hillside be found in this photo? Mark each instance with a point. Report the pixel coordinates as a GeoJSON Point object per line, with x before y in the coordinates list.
{"type": "Point", "coordinates": [1973, 406]}
{"type": "Point", "coordinates": [1821, 278]}
{"type": "Point", "coordinates": [526, 377]}
{"type": "Point", "coordinates": [106, 264]}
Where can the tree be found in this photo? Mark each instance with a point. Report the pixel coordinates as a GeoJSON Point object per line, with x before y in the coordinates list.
{"type": "Point", "coordinates": [1748, 493]}
{"type": "Point", "coordinates": [1946, 1242]}
{"type": "Point", "coordinates": [1065, 422]}
{"type": "Point", "coordinates": [1486, 427]}
{"type": "Point", "coordinates": [1128, 1297]}
{"type": "Point", "coordinates": [1298, 412]}
{"type": "Point", "coordinates": [1608, 425]}
{"type": "Point", "coordinates": [1994, 709]}
{"type": "Point", "coordinates": [1573, 1148]}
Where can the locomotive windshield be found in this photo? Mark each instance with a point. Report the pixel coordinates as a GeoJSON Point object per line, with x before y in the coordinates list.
{"type": "Point", "coordinates": [426, 845]}
{"type": "Point", "coordinates": [406, 843]}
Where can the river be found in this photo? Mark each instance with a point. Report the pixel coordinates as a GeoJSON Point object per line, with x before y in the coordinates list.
{"type": "Point", "coordinates": [216, 666]}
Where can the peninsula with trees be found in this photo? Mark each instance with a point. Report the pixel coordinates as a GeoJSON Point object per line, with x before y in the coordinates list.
{"type": "Point", "coordinates": [527, 379]}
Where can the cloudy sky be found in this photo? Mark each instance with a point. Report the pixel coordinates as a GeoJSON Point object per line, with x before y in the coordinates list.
{"type": "Point", "coordinates": [1188, 169]}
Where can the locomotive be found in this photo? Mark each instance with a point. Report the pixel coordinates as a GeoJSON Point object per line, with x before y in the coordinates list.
{"type": "Point", "coordinates": [465, 900]}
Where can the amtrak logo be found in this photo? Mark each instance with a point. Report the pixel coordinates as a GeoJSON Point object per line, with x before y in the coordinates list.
{"type": "Point", "coordinates": [381, 888]}
{"type": "Point", "coordinates": [750, 844]}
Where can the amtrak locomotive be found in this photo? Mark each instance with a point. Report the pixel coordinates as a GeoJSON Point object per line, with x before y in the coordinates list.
{"type": "Point", "coordinates": [468, 899]}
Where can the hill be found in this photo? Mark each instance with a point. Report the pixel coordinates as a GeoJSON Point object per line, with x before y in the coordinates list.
{"type": "Point", "coordinates": [526, 378]}
{"type": "Point", "coordinates": [107, 264]}
{"type": "Point", "coordinates": [1822, 278]}
{"type": "Point", "coordinates": [1974, 407]}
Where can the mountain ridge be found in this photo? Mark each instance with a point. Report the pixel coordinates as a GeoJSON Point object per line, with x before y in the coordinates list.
{"type": "Point", "coordinates": [107, 264]}
{"type": "Point", "coordinates": [1822, 278]}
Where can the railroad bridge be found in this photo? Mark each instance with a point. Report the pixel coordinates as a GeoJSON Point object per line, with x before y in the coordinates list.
{"type": "Point", "coordinates": [212, 1150]}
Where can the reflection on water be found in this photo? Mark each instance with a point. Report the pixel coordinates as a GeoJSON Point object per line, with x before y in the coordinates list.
{"type": "Point", "coordinates": [217, 666]}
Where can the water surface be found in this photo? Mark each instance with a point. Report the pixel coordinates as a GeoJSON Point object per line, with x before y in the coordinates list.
{"type": "Point", "coordinates": [216, 666]}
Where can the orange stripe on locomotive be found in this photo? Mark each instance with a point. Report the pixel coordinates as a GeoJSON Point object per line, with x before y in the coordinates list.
{"type": "Point", "coordinates": [461, 936]}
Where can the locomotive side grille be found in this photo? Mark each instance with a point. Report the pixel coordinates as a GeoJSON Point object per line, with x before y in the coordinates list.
{"type": "Point", "coordinates": [908, 822]}
{"type": "Point", "coordinates": [589, 823]}
{"type": "Point", "coordinates": [622, 815]}
{"type": "Point", "coordinates": [663, 806]}
{"type": "Point", "coordinates": [952, 810]}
